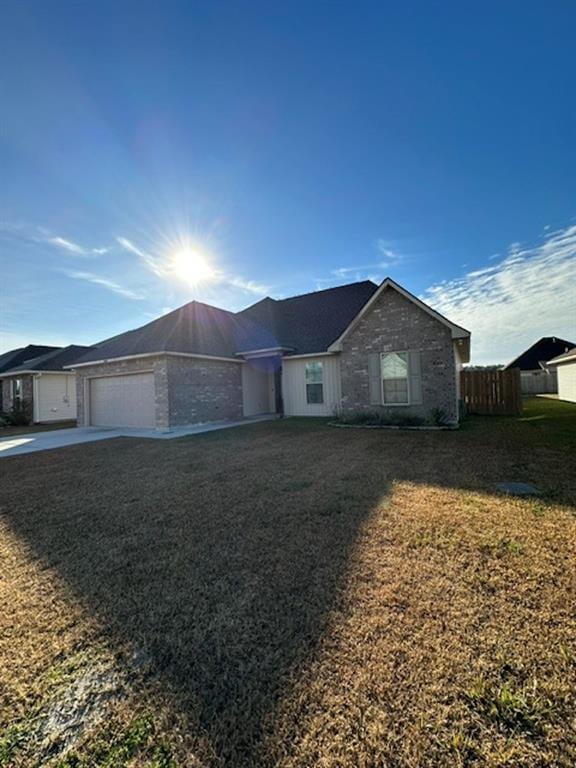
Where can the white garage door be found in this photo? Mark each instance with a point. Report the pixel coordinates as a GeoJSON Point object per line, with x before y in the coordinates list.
{"type": "Point", "coordinates": [122, 401]}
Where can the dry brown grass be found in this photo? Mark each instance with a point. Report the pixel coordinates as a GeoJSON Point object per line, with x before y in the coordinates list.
{"type": "Point", "coordinates": [289, 594]}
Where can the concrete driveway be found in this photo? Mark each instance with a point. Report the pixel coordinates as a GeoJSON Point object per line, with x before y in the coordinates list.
{"type": "Point", "coordinates": [61, 438]}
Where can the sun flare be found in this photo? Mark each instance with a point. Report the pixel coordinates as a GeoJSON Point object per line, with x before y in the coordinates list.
{"type": "Point", "coordinates": [192, 267]}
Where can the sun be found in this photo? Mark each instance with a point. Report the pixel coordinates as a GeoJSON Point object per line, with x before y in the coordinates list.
{"type": "Point", "coordinates": [192, 267]}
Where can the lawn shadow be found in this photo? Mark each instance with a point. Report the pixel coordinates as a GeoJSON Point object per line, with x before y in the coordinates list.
{"type": "Point", "coordinates": [217, 560]}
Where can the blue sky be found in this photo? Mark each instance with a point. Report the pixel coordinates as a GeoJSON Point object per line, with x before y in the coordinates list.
{"type": "Point", "coordinates": [294, 146]}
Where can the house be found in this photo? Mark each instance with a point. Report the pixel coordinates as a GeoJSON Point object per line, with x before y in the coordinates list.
{"type": "Point", "coordinates": [535, 375]}
{"type": "Point", "coordinates": [39, 384]}
{"type": "Point", "coordinates": [565, 366]}
{"type": "Point", "coordinates": [16, 357]}
{"type": "Point", "coordinates": [345, 349]}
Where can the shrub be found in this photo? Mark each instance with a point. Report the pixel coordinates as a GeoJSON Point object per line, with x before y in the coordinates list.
{"type": "Point", "coordinates": [19, 416]}
{"type": "Point", "coordinates": [382, 419]}
{"type": "Point", "coordinates": [438, 417]}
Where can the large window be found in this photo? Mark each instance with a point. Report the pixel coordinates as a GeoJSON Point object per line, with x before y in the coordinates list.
{"type": "Point", "coordinates": [395, 383]}
{"type": "Point", "coordinates": [314, 383]}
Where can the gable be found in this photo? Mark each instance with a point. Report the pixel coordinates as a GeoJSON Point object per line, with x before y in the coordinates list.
{"type": "Point", "coordinates": [379, 298]}
{"type": "Point", "coordinates": [540, 352]}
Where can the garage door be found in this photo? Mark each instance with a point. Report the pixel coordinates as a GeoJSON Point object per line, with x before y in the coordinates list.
{"type": "Point", "coordinates": [122, 401]}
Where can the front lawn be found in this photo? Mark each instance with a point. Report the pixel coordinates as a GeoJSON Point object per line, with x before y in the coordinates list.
{"type": "Point", "coordinates": [291, 594]}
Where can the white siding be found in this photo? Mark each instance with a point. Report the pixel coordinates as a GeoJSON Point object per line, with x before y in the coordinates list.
{"type": "Point", "coordinates": [294, 386]}
{"type": "Point", "coordinates": [567, 381]}
{"type": "Point", "coordinates": [54, 397]}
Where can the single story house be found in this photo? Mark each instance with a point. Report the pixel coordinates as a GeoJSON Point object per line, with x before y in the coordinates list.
{"type": "Point", "coordinates": [536, 377]}
{"type": "Point", "coordinates": [565, 366]}
{"type": "Point", "coordinates": [341, 350]}
{"type": "Point", "coordinates": [15, 357]}
{"type": "Point", "coordinates": [41, 386]}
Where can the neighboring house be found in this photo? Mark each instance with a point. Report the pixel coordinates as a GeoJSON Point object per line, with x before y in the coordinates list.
{"type": "Point", "coordinates": [565, 366]}
{"type": "Point", "coordinates": [535, 375]}
{"type": "Point", "coordinates": [346, 349]}
{"type": "Point", "coordinates": [41, 385]}
{"type": "Point", "coordinates": [18, 356]}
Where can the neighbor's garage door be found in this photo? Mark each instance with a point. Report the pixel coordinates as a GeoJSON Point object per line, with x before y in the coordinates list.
{"type": "Point", "coordinates": [122, 401]}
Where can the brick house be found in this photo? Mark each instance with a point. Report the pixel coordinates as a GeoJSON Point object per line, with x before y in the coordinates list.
{"type": "Point", "coordinates": [352, 348]}
{"type": "Point", "coordinates": [33, 380]}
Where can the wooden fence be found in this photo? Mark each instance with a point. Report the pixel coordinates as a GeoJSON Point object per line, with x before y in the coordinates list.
{"type": "Point", "coordinates": [492, 392]}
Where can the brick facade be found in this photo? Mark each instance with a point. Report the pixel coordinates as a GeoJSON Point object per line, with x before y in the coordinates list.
{"type": "Point", "coordinates": [27, 393]}
{"type": "Point", "coordinates": [187, 390]}
{"type": "Point", "coordinates": [394, 323]}
{"type": "Point", "coordinates": [201, 390]}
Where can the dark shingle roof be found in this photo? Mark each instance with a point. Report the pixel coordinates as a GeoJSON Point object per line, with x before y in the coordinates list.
{"type": "Point", "coordinates": [543, 350]}
{"type": "Point", "coordinates": [55, 360]}
{"type": "Point", "coordinates": [311, 322]}
{"type": "Point", "coordinates": [308, 323]}
{"type": "Point", "coordinates": [15, 357]}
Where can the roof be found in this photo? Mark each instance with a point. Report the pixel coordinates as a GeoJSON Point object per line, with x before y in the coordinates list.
{"type": "Point", "coordinates": [18, 356]}
{"type": "Point", "coordinates": [311, 322]}
{"type": "Point", "coordinates": [299, 325]}
{"type": "Point", "coordinates": [544, 349]}
{"type": "Point", "coordinates": [302, 324]}
{"type": "Point", "coordinates": [54, 360]}
{"type": "Point", "coordinates": [564, 358]}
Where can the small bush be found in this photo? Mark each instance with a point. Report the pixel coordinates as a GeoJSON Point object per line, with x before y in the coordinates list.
{"type": "Point", "coordinates": [438, 417]}
{"type": "Point", "coordinates": [382, 419]}
{"type": "Point", "coordinates": [19, 416]}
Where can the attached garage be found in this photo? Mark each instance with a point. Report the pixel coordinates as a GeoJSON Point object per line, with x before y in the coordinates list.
{"type": "Point", "coordinates": [123, 401]}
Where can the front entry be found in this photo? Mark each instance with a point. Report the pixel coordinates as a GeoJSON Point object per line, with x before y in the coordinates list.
{"type": "Point", "coordinates": [262, 386]}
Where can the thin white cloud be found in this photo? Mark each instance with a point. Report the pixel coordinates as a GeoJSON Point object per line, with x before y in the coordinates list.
{"type": "Point", "coordinates": [248, 286]}
{"type": "Point", "coordinates": [512, 303]}
{"type": "Point", "coordinates": [41, 236]}
{"type": "Point", "coordinates": [389, 254]}
{"type": "Point", "coordinates": [67, 245]}
{"type": "Point", "coordinates": [71, 247]}
{"type": "Point", "coordinates": [111, 285]}
{"type": "Point", "coordinates": [151, 262]}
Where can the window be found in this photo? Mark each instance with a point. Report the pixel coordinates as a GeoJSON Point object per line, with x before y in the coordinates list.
{"type": "Point", "coordinates": [17, 392]}
{"type": "Point", "coordinates": [314, 384]}
{"type": "Point", "coordinates": [395, 384]}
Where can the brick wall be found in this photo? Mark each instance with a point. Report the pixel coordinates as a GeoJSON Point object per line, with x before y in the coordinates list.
{"type": "Point", "coordinates": [159, 367]}
{"type": "Point", "coordinates": [395, 324]}
{"type": "Point", "coordinates": [187, 390]}
{"type": "Point", "coordinates": [27, 393]}
{"type": "Point", "coordinates": [203, 390]}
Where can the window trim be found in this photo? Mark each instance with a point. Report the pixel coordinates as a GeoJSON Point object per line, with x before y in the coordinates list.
{"type": "Point", "coordinates": [408, 388]}
{"type": "Point", "coordinates": [319, 363]}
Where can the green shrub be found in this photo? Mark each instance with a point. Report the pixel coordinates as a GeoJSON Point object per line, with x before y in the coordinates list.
{"type": "Point", "coordinates": [438, 417]}
{"type": "Point", "coordinates": [19, 416]}
{"type": "Point", "coordinates": [382, 419]}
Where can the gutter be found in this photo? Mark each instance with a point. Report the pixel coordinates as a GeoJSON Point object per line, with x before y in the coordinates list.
{"type": "Point", "coordinates": [108, 360]}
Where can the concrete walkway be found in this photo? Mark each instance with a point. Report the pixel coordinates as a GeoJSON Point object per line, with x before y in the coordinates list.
{"type": "Point", "coordinates": [61, 438]}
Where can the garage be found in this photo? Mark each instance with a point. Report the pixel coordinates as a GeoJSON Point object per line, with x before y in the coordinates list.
{"type": "Point", "coordinates": [123, 401]}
